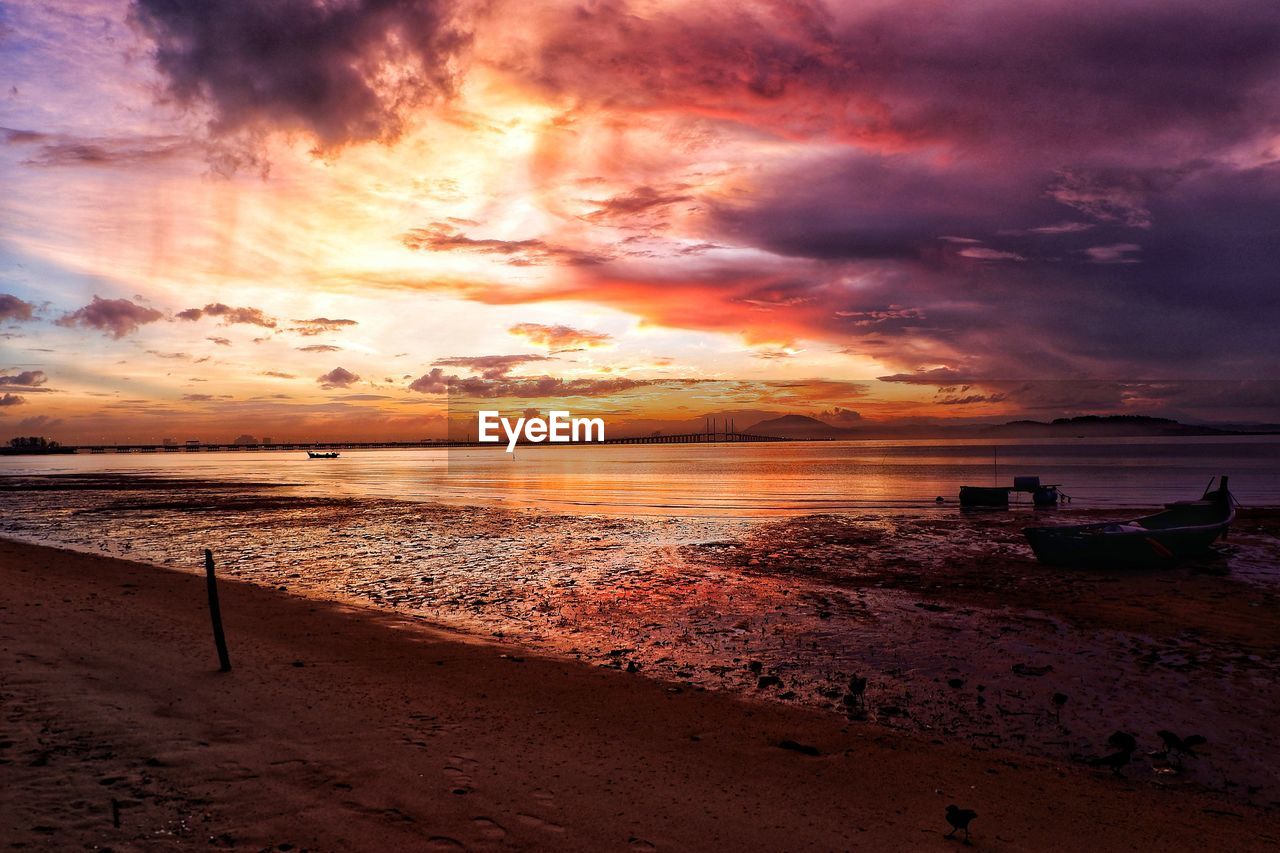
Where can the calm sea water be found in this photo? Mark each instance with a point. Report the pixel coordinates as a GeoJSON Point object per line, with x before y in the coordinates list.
{"type": "Point", "coordinates": [733, 479]}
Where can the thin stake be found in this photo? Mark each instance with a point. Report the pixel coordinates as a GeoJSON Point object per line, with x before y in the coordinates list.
{"type": "Point", "coordinates": [215, 613]}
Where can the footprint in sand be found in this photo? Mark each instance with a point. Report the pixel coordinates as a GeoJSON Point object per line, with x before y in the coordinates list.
{"type": "Point", "coordinates": [460, 768]}
{"type": "Point", "coordinates": [443, 842]}
{"type": "Point", "coordinates": [489, 829]}
{"type": "Point", "coordinates": [538, 823]}
{"type": "Point", "coordinates": [640, 845]}
{"type": "Point", "coordinates": [460, 781]}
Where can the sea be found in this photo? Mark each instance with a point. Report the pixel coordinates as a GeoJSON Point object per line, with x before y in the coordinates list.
{"type": "Point", "coordinates": [728, 479]}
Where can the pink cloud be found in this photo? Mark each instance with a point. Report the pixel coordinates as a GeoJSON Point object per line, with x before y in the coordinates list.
{"type": "Point", "coordinates": [115, 317]}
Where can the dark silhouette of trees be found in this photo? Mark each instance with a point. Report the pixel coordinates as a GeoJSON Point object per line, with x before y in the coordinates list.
{"type": "Point", "coordinates": [32, 444]}
{"type": "Point", "coordinates": [37, 442]}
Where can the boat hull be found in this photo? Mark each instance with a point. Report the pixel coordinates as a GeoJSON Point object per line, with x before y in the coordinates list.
{"type": "Point", "coordinates": [985, 497]}
{"type": "Point", "coordinates": [1184, 530]}
{"type": "Point", "coordinates": [1058, 547]}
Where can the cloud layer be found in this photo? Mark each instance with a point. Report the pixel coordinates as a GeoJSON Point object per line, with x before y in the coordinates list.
{"type": "Point", "coordinates": [343, 72]}
{"type": "Point", "coordinates": [964, 198]}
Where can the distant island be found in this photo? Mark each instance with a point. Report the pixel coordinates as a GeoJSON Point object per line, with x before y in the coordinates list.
{"type": "Point", "coordinates": [33, 445]}
{"type": "Point", "coordinates": [1085, 426]}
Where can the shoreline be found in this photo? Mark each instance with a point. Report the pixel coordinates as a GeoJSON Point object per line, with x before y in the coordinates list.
{"type": "Point", "coordinates": [351, 728]}
{"type": "Point", "coordinates": [960, 634]}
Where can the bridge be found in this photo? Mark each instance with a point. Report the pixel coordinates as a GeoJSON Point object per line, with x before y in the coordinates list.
{"type": "Point", "coordinates": [694, 438]}
{"type": "Point", "coordinates": [677, 438]}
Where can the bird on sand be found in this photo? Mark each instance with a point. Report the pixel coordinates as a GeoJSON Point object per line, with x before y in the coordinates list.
{"type": "Point", "coordinates": [857, 690]}
{"type": "Point", "coordinates": [1124, 745]}
{"type": "Point", "coordinates": [1177, 746]}
{"type": "Point", "coordinates": [959, 819]}
{"type": "Point", "coordinates": [1123, 740]}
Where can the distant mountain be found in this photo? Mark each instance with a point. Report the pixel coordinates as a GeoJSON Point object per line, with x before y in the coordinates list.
{"type": "Point", "coordinates": [799, 426]}
{"type": "Point", "coordinates": [1091, 426]}
{"type": "Point", "coordinates": [1101, 425]}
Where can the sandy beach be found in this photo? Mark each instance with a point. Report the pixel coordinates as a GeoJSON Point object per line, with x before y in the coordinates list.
{"type": "Point", "coordinates": [349, 728]}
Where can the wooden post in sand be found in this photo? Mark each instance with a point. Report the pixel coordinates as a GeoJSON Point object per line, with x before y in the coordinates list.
{"type": "Point", "coordinates": [215, 613]}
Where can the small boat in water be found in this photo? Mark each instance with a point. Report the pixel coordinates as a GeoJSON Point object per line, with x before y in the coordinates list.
{"type": "Point", "coordinates": [315, 454]}
{"type": "Point", "coordinates": [985, 497]}
{"type": "Point", "coordinates": [1184, 529]}
{"type": "Point", "coordinates": [1043, 496]}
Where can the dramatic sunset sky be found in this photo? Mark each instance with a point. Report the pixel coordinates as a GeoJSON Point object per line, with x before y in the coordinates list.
{"type": "Point", "coordinates": [312, 219]}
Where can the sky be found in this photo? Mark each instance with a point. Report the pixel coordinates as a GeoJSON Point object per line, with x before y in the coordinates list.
{"type": "Point", "coordinates": [318, 220]}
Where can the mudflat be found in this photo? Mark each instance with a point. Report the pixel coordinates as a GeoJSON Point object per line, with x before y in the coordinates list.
{"type": "Point", "coordinates": [349, 728]}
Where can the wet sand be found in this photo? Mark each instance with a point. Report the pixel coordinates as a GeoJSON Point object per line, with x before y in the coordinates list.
{"type": "Point", "coordinates": [350, 728]}
{"type": "Point", "coordinates": [1231, 596]}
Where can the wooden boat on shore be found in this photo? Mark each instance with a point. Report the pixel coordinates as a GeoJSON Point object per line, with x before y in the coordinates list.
{"type": "Point", "coordinates": [315, 454]}
{"type": "Point", "coordinates": [1184, 529]}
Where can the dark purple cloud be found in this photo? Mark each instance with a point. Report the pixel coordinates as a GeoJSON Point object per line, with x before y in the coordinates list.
{"type": "Point", "coordinates": [228, 315]}
{"type": "Point", "coordinates": [839, 416]}
{"type": "Point", "coordinates": [63, 150]}
{"type": "Point", "coordinates": [443, 237]}
{"type": "Point", "coordinates": [319, 348]}
{"type": "Point", "coordinates": [1224, 400]}
{"type": "Point", "coordinates": [338, 378]}
{"type": "Point", "coordinates": [27, 380]}
{"type": "Point", "coordinates": [433, 381]}
{"type": "Point", "coordinates": [936, 376]}
{"type": "Point", "coordinates": [36, 423]}
{"type": "Point", "coordinates": [17, 136]}
{"type": "Point", "coordinates": [642, 200]}
{"type": "Point", "coordinates": [11, 400]}
{"type": "Point", "coordinates": [492, 366]}
{"type": "Point", "coordinates": [114, 317]}
{"type": "Point", "coordinates": [342, 72]}
{"type": "Point", "coordinates": [15, 310]}
{"type": "Point", "coordinates": [436, 381]}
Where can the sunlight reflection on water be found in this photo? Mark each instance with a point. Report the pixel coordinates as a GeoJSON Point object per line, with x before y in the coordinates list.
{"type": "Point", "coordinates": [732, 479]}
